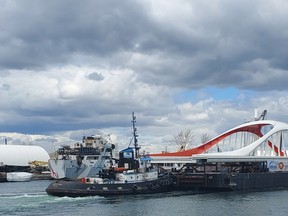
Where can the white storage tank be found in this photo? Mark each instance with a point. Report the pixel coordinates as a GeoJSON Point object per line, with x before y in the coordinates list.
{"type": "Point", "coordinates": [21, 155]}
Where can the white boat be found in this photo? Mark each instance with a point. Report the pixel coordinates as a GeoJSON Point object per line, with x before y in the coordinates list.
{"type": "Point", "coordinates": [19, 176]}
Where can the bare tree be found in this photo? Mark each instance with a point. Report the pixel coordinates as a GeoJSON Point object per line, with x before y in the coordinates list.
{"type": "Point", "coordinates": [183, 140]}
{"type": "Point", "coordinates": [205, 137]}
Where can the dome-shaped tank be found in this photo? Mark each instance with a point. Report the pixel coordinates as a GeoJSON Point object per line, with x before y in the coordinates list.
{"type": "Point", "coordinates": [21, 155]}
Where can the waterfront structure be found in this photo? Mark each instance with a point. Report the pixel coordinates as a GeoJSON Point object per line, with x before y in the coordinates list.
{"type": "Point", "coordinates": [14, 158]}
{"type": "Point", "coordinates": [16, 161]}
{"type": "Point", "coordinates": [250, 156]}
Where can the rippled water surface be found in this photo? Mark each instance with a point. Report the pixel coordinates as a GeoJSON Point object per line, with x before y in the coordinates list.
{"type": "Point", "coordinates": [29, 198]}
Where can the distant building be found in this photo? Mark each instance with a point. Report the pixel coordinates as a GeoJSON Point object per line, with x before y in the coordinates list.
{"type": "Point", "coordinates": [19, 157]}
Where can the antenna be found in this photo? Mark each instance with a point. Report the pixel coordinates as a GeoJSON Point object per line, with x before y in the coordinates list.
{"type": "Point", "coordinates": [135, 135]}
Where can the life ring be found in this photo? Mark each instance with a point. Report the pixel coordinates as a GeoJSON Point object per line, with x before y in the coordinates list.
{"type": "Point", "coordinates": [281, 165]}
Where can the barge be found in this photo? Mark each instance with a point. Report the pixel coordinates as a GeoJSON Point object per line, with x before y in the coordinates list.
{"type": "Point", "coordinates": [246, 175]}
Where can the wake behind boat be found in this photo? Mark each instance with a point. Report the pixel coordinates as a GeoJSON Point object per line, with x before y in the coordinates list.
{"type": "Point", "coordinates": [131, 174]}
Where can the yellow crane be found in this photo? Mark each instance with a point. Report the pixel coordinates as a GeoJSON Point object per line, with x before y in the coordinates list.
{"type": "Point", "coordinates": [36, 163]}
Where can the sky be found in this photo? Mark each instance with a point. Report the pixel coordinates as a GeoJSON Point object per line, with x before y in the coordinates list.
{"type": "Point", "coordinates": [71, 68]}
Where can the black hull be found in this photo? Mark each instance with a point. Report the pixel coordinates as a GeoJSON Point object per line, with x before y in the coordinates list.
{"type": "Point", "coordinates": [234, 181]}
{"type": "Point", "coordinates": [78, 189]}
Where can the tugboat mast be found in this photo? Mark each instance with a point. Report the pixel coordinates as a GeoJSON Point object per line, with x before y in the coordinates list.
{"type": "Point", "coordinates": [135, 136]}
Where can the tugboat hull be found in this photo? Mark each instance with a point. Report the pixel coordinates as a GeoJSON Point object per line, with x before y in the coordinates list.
{"type": "Point", "coordinates": [79, 189]}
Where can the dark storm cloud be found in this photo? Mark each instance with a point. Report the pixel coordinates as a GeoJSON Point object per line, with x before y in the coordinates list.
{"type": "Point", "coordinates": [39, 34]}
{"type": "Point", "coordinates": [209, 45]}
{"type": "Point", "coordinates": [220, 47]}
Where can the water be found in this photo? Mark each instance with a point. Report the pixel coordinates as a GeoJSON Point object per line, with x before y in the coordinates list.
{"type": "Point", "coordinates": [29, 198]}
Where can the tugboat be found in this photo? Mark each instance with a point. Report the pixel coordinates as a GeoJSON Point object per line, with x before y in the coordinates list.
{"type": "Point", "coordinates": [130, 174]}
